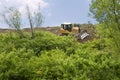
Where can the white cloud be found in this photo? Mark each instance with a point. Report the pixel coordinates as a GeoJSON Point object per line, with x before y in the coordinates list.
{"type": "Point", "coordinates": [21, 4]}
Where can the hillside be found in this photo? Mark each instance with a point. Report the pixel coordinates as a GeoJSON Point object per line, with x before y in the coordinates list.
{"type": "Point", "coordinates": [54, 29]}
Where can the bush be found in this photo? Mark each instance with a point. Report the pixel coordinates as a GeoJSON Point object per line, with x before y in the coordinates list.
{"type": "Point", "coordinates": [48, 56]}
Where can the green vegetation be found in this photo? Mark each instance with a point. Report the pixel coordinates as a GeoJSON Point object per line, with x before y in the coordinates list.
{"type": "Point", "coordinates": [13, 18]}
{"type": "Point", "coordinates": [48, 56]}
{"type": "Point", "coordinates": [107, 13]}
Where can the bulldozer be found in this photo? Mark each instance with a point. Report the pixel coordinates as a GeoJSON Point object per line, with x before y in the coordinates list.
{"type": "Point", "coordinates": [67, 28]}
{"type": "Point", "coordinates": [74, 29]}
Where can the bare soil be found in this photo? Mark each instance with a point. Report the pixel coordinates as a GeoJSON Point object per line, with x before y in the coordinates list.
{"type": "Point", "coordinates": [88, 27]}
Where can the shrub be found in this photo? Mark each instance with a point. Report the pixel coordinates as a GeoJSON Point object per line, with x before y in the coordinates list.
{"type": "Point", "coordinates": [48, 56]}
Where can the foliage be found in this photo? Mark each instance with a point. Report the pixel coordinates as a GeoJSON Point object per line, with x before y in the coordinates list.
{"type": "Point", "coordinates": [12, 17]}
{"type": "Point", "coordinates": [35, 18]}
{"type": "Point", "coordinates": [48, 56]}
{"type": "Point", "coordinates": [107, 13]}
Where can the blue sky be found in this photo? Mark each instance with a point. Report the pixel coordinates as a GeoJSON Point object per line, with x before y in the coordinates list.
{"type": "Point", "coordinates": [74, 11]}
{"type": "Point", "coordinates": [55, 12]}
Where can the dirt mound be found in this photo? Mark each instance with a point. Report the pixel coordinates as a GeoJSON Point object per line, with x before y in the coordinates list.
{"type": "Point", "coordinates": [90, 30]}
{"type": "Point", "coordinates": [88, 27]}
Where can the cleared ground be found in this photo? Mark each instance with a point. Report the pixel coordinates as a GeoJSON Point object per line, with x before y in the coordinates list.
{"type": "Point", "coordinates": [89, 27]}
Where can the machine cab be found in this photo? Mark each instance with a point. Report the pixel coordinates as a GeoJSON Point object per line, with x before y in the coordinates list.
{"type": "Point", "coordinates": [67, 26]}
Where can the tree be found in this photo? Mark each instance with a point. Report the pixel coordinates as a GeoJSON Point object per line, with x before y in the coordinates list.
{"type": "Point", "coordinates": [35, 19]}
{"type": "Point", "coordinates": [107, 13]}
{"type": "Point", "coordinates": [12, 18]}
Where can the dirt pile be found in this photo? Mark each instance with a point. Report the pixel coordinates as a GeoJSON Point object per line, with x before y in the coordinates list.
{"type": "Point", "coordinates": [88, 27]}
{"type": "Point", "coordinates": [90, 30]}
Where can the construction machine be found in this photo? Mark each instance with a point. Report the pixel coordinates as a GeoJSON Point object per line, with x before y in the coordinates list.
{"type": "Point", "coordinates": [74, 29]}
{"type": "Point", "coordinates": [67, 28]}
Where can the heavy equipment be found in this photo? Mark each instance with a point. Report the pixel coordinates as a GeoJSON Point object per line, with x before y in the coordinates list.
{"type": "Point", "coordinates": [67, 28]}
{"type": "Point", "coordinates": [74, 29]}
